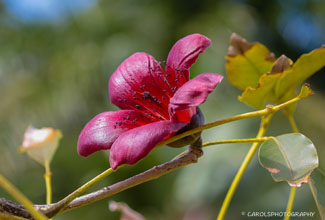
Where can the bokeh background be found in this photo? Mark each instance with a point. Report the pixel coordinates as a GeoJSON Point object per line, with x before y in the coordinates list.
{"type": "Point", "coordinates": [56, 57]}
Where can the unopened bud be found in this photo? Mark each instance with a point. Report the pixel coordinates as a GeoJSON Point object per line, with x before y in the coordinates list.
{"type": "Point", "coordinates": [40, 144]}
{"type": "Point", "coordinates": [196, 121]}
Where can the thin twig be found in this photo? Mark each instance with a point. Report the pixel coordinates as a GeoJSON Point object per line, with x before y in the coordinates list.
{"type": "Point", "coordinates": [233, 141]}
{"type": "Point", "coordinates": [270, 109]}
{"type": "Point", "coordinates": [47, 178]}
{"type": "Point", "coordinates": [190, 157]}
{"type": "Point", "coordinates": [20, 197]}
{"type": "Point", "coordinates": [293, 189]}
{"type": "Point", "coordinates": [231, 191]}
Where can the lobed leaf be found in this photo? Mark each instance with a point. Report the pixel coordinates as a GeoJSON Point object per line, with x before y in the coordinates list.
{"type": "Point", "coordinates": [305, 66]}
{"type": "Point", "coordinates": [256, 97]}
{"type": "Point", "coordinates": [289, 157]}
{"type": "Point", "coordinates": [251, 67]}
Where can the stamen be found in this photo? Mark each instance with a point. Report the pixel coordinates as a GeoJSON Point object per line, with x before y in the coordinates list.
{"type": "Point", "coordinates": [145, 95]}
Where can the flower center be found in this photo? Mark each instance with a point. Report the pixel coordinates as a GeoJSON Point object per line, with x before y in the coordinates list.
{"type": "Point", "coordinates": [151, 93]}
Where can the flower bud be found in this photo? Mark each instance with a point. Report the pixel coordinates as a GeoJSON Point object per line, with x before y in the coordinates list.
{"type": "Point", "coordinates": [196, 121]}
{"type": "Point", "coordinates": [41, 144]}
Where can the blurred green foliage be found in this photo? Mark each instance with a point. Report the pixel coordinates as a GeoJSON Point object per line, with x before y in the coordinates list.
{"type": "Point", "coordinates": [56, 75]}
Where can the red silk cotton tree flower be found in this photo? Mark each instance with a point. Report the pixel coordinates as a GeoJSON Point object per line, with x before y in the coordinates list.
{"type": "Point", "coordinates": [156, 103]}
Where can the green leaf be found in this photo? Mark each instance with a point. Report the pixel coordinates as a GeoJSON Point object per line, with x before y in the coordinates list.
{"type": "Point", "coordinates": [246, 62]}
{"type": "Point", "coordinates": [317, 186]}
{"type": "Point", "coordinates": [289, 157]}
{"type": "Point", "coordinates": [304, 67]}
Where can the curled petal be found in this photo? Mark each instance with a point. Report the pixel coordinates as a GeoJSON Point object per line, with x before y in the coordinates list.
{"type": "Point", "coordinates": [192, 94]}
{"type": "Point", "coordinates": [185, 51]}
{"type": "Point", "coordinates": [135, 144]}
{"type": "Point", "coordinates": [105, 128]}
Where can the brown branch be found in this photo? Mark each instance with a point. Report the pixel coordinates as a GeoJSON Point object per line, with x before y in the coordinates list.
{"type": "Point", "coordinates": [51, 210]}
{"type": "Point", "coordinates": [8, 208]}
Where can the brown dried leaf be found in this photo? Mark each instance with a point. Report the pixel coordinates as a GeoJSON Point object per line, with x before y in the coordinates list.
{"type": "Point", "coordinates": [126, 212]}
{"type": "Point", "coordinates": [281, 64]}
{"type": "Point", "coordinates": [238, 45]}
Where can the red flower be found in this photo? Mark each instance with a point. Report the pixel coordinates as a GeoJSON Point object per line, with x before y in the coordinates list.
{"type": "Point", "coordinates": [157, 102]}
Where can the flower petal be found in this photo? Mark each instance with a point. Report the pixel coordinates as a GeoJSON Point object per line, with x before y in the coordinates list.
{"type": "Point", "coordinates": [105, 128]}
{"type": "Point", "coordinates": [140, 84]}
{"type": "Point", "coordinates": [185, 51]}
{"type": "Point", "coordinates": [192, 94]}
{"type": "Point", "coordinates": [135, 144]}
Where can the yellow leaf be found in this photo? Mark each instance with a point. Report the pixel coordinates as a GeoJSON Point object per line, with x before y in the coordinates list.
{"type": "Point", "coordinates": [256, 97]}
{"type": "Point", "coordinates": [251, 67]}
{"type": "Point", "coordinates": [305, 91]}
{"type": "Point", "coordinates": [247, 62]}
{"type": "Point", "coordinates": [304, 67]}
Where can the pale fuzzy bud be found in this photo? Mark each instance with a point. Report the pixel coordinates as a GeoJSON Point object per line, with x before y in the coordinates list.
{"type": "Point", "coordinates": [41, 144]}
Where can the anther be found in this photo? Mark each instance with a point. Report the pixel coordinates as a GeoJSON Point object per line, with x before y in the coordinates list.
{"type": "Point", "coordinates": [145, 95]}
